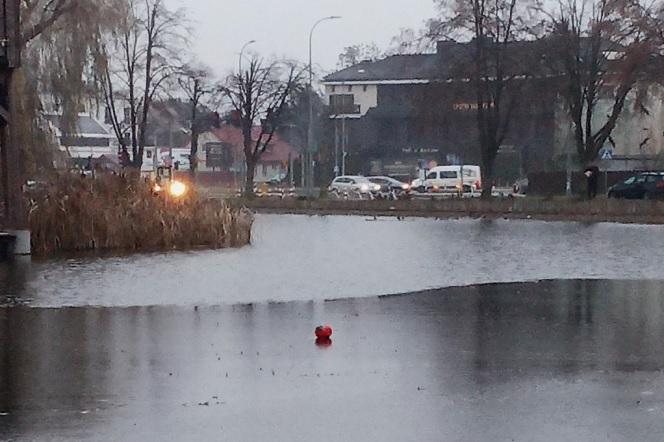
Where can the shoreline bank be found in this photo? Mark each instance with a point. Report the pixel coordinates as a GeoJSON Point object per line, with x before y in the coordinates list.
{"type": "Point", "coordinates": [600, 210]}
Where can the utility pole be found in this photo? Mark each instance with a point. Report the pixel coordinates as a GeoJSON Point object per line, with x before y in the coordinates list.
{"type": "Point", "coordinates": [343, 144]}
{"type": "Point", "coordinates": [336, 148]}
{"type": "Point", "coordinates": [155, 161]}
{"type": "Point", "coordinates": [568, 169]}
{"type": "Point", "coordinates": [170, 143]}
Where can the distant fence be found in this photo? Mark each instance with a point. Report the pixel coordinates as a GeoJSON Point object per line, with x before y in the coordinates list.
{"type": "Point", "coordinates": [542, 208]}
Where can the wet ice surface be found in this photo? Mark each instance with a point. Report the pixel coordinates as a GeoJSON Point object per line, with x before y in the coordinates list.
{"type": "Point", "coordinates": [549, 361]}
{"type": "Point", "coordinates": [304, 258]}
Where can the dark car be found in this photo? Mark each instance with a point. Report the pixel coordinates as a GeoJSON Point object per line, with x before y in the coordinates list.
{"type": "Point", "coordinates": [648, 185]}
{"type": "Point", "coordinates": [390, 187]}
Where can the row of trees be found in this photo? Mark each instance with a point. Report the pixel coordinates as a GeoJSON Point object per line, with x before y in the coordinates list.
{"type": "Point", "coordinates": [124, 55]}
{"type": "Point", "coordinates": [128, 53]}
{"type": "Point", "coordinates": [594, 49]}
{"type": "Point", "coordinates": [599, 50]}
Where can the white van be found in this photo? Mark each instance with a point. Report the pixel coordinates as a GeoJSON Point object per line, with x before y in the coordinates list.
{"type": "Point", "coordinates": [448, 179]}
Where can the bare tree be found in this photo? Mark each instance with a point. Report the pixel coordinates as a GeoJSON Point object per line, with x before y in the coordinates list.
{"type": "Point", "coordinates": [260, 93]}
{"type": "Point", "coordinates": [59, 41]}
{"type": "Point", "coordinates": [195, 83]}
{"type": "Point", "coordinates": [411, 41]}
{"type": "Point", "coordinates": [143, 57]}
{"type": "Point", "coordinates": [497, 71]}
{"type": "Point", "coordinates": [355, 54]}
{"type": "Point", "coordinates": [38, 16]}
{"type": "Point", "coordinates": [603, 47]}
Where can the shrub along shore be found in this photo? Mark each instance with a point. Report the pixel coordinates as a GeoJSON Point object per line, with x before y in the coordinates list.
{"type": "Point", "coordinates": [118, 213]}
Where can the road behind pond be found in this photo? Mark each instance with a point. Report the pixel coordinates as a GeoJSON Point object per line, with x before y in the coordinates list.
{"type": "Point", "coordinates": [549, 361]}
{"type": "Point", "coordinates": [304, 258]}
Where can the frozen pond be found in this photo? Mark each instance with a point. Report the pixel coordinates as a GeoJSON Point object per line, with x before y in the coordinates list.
{"type": "Point", "coordinates": [549, 361]}
{"type": "Point", "coordinates": [185, 346]}
{"type": "Point", "coordinates": [315, 258]}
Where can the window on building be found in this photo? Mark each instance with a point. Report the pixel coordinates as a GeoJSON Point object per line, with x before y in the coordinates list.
{"type": "Point", "coordinates": [364, 88]}
{"type": "Point", "coordinates": [343, 104]}
{"type": "Point", "coordinates": [350, 88]}
{"type": "Point", "coordinates": [334, 89]}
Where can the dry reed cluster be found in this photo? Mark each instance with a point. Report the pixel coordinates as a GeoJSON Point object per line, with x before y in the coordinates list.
{"type": "Point", "coordinates": [121, 213]}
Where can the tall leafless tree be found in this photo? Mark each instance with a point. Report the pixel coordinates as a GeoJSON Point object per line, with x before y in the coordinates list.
{"type": "Point", "coordinates": [603, 47]}
{"type": "Point", "coordinates": [260, 94]}
{"type": "Point", "coordinates": [142, 57]}
{"type": "Point", "coordinates": [195, 83]}
{"type": "Point", "coordinates": [496, 72]}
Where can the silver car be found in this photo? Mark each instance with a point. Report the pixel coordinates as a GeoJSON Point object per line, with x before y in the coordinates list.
{"type": "Point", "coordinates": [353, 184]}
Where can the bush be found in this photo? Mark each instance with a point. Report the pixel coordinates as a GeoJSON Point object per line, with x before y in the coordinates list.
{"type": "Point", "coordinates": [121, 213]}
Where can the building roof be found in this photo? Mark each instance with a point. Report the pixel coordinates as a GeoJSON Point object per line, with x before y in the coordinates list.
{"type": "Point", "coordinates": [278, 150]}
{"type": "Point", "coordinates": [452, 61]}
{"type": "Point", "coordinates": [397, 67]}
{"type": "Point", "coordinates": [85, 126]}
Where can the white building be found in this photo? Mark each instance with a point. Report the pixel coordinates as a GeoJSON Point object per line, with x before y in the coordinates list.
{"type": "Point", "coordinates": [90, 139]}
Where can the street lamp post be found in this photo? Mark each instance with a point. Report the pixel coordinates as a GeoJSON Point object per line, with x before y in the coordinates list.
{"type": "Point", "coordinates": [309, 182]}
{"type": "Point", "coordinates": [240, 78]}
{"type": "Point", "coordinates": [250, 42]}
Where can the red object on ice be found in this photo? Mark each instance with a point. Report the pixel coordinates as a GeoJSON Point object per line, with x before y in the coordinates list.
{"type": "Point", "coordinates": [323, 342]}
{"type": "Point", "coordinates": [323, 332]}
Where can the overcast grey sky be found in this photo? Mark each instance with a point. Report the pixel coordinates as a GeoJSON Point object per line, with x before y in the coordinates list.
{"type": "Point", "coordinates": [281, 27]}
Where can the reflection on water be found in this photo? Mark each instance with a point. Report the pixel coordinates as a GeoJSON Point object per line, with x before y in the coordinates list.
{"type": "Point", "coordinates": [303, 258]}
{"type": "Point", "coordinates": [565, 360]}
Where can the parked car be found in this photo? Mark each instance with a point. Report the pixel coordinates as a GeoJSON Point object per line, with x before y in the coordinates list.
{"type": "Point", "coordinates": [648, 185]}
{"type": "Point", "coordinates": [353, 184]}
{"type": "Point", "coordinates": [390, 187]}
{"type": "Point", "coordinates": [448, 179]}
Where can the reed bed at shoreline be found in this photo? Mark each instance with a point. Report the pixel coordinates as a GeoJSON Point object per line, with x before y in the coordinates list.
{"type": "Point", "coordinates": [120, 213]}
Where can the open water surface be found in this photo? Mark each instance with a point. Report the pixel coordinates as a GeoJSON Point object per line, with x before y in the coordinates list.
{"type": "Point", "coordinates": [300, 258]}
